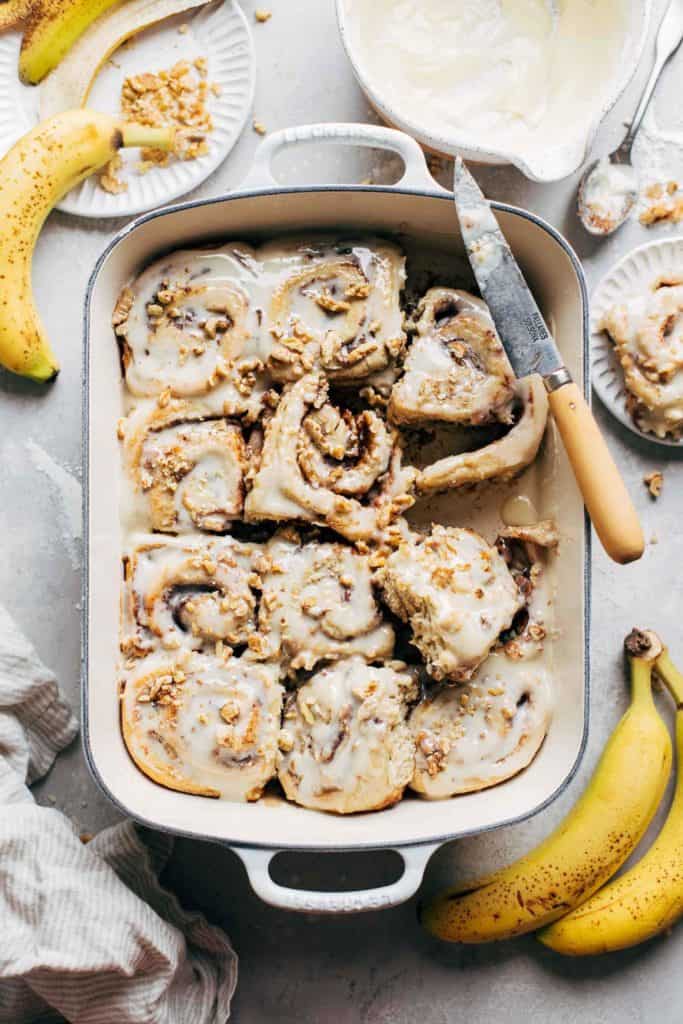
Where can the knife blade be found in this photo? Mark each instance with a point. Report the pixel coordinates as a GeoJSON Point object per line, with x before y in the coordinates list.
{"type": "Point", "coordinates": [520, 324]}
{"type": "Point", "coordinates": [532, 349]}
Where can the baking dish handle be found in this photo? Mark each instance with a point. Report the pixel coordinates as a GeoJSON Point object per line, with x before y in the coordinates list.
{"type": "Point", "coordinates": [257, 864]}
{"type": "Point", "coordinates": [415, 175]}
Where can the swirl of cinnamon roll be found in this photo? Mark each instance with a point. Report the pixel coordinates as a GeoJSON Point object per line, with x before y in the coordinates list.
{"type": "Point", "coordinates": [647, 332]}
{"type": "Point", "coordinates": [456, 369]}
{"type": "Point", "coordinates": [188, 323]}
{"type": "Point", "coordinates": [186, 471]}
{"type": "Point", "coordinates": [325, 466]}
{"type": "Point", "coordinates": [334, 306]}
{"type": "Point", "coordinates": [317, 603]}
{"type": "Point", "coordinates": [526, 551]}
{"type": "Point", "coordinates": [455, 592]}
{"type": "Point", "coordinates": [189, 595]}
{"type": "Point", "coordinates": [203, 724]}
{"type": "Point", "coordinates": [345, 745]}
{"type": "Point", "coordinates": [475, 735]}
{"type": "Point", "coordinates": [503, 458]}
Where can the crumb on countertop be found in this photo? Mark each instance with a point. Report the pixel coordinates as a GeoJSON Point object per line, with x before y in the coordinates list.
{"type": "Point", "coordinates": [654, 482]}
{"type": "Point", "coordinates": [664, 202]}
{"type": "Point", "coordinates": [259, 127]}
{"type": "Point", "coordinates": [262, 15]}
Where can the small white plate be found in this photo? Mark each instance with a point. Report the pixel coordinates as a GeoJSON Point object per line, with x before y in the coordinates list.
{"type": "Point", "coordinates": [633, 275]}
{"type": "Point", "coordinates": [220, 33]}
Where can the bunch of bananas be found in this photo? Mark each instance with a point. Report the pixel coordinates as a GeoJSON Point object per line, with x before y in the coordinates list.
{"type": "Point", "coordinates": [559, 888]}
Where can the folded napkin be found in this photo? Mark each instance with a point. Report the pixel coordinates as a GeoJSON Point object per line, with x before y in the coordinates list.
{"type": "Point", "coordinates": [87, 934]}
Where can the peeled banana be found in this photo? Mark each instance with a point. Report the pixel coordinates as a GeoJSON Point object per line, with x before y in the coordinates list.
{"type": "Point", "coordinates": [52, 27]}
{"type": "Point", "coordinates": [34, 175]}
{"type": "Point", "coordinates": [585, 850]}
{"type": "Point", "coordinates": [646, 900]}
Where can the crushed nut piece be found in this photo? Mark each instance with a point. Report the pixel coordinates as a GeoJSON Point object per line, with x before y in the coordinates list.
{"type": "Point", "coordinates": [654, 482]}
{"type": "Point", "coordinates": [259, 128]}
{"type": "Point", "coordinates": [109, 178]}
{"type": "Point", "coordinates": [261, 14]}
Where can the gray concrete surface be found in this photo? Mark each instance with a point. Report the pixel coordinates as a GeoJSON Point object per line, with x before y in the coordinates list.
{"type": "Point", "coordinates": [379, 968]}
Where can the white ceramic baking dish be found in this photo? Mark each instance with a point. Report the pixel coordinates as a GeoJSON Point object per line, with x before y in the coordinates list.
{"type": "Point", "coordinates": [418, 210]}
{"type": "Point", "coordinates": [550, 164]}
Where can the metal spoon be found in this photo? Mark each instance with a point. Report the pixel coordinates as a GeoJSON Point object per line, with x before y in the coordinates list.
{"type": "Point", "coordinates": [609, 188]}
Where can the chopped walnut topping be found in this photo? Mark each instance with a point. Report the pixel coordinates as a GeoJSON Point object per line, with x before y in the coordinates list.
{"type": "Point", "coordinates": [259, 127]}
{"type": "Point", "coordinates": [654, 482]}
{"type": "Point", "coordinates": [262, 15]}
{"type": "Point", "coordinates": [109, 178]}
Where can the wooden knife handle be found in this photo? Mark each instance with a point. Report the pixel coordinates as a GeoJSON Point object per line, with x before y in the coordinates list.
{"type": "Point", "coordinates": [606, 498]}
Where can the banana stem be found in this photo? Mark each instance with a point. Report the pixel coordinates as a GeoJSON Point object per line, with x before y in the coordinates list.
{"type": "Point", "coordinates": [143, 135]}
{"type": "Point", "coordinates": [671, 677]}
{"type": "Point", "coordinates": [641, 680]}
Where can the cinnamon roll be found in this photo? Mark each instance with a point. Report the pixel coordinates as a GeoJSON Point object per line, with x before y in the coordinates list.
{"type": "Point", "coordinates": [188, 323]}
{"type": "Point", "coordinates": [457, 595]}
{"type": "Point", "coordinates": [345, 745]}
{"type": "Point", "coordinates": [647, 332]}
{"type": "Point", "coordinates": [475, 735]}
{"type": "Point", "coordinates": [186, 472]}
{"type": "Point", "coordinates": [317, 603]}
{"type": "Point", "coordinates": [503, 458]}
{"type": "Point", "coordinates": [189, 595]}
{"type": "Point", "coordinates": [203, 724]}
{"type": "Point", "coordinates": [334, 306]}
{"type": "Point", "coordinates": [456, 369]}
{"type": "Point", "coordinates": [327, 466]}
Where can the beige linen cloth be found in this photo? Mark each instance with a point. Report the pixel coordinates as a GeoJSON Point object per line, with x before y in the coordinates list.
{"type": "Point", "coordinates": [87, 934]}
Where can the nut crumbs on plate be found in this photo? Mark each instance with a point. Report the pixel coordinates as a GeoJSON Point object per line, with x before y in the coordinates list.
{"type": "Point", "coordinates": [176, 96]}
{"type": "Point", "coordinates": [664, 203]}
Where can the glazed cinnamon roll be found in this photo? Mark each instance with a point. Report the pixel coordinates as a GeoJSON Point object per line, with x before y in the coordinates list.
{"type": "Point", "coordinates": [527, 551]}
{"type": "Point", "coordinates": [189, 595]}
{"type": "Point", "coordinates": [186, 472]}
{"type": "Point", "coordinates": [317, 603]}
{"type": "Point", "coordinates": [333, 306]}
{"type": "Point", "coordinates": [203, 724]}
{"type": "Point", "coordinates": [647, 332]}
{"type": "Point", "coordinates": [324, 465]}
{"type": "Point", "coordinates": [457, 595]}
{"type": "Point", "coordinates": [189, 323]}
{"type": "Point", "coordinates": [345, 745]}
{"type": "Point", "coordinates": [503, 458]}
{"type": "Point", "coordinates": [475, 735]}
{"type": "Point", "coordinates": [456, 369]}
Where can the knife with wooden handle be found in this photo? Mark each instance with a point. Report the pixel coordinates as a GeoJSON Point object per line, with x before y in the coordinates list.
{"type": "Point", "coordinates": [531, 349]}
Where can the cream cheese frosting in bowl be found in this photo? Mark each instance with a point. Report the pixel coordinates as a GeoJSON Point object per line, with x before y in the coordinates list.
{"type": "Point", "coordinates": [525, 82]}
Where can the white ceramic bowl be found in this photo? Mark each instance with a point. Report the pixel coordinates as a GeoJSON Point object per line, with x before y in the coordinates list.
{"type": "Point", "coordinates": [556, 162]}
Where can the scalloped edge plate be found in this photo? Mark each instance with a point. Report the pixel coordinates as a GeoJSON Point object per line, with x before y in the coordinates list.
{"type": "Point", "coordinates": [631, 275]}
{"type": "Point", "coordinates": [221, 33]}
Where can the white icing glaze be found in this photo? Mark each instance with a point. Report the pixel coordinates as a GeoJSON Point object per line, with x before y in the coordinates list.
{"type": "Point", "coordinates": [345, 745]}
{"type": "Point", "coordinates": [522, 76]}
{"type": "Point", "coordinates": [647, 331]}
{"type": "Point", "coordinates": [317, 603]}
{"type": "Point", "coordinates": [189, 594]}
{"type": "Point", "coordinates": [457, 595]}
{"type": "Point", "coordinates": [456, 368]}
{"type": "Point", "coordinates": [475, 735]}
{"type": "Point", "coordinates": [203, 724]}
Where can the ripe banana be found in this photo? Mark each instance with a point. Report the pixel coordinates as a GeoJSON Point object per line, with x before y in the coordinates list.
{"type": "Point", "coordinates": [646, 900]}
{"type": "Point", "coordinates": [34, 175]}
{"type": "Point", "coordinates": [52, 27]}
{"type": "Point", "coordinates": [586, 849]}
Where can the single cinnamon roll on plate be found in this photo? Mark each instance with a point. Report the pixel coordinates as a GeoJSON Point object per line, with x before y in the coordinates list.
{"type": "Point", "coordinates": [647, 332]}
{"type": "Point", "coordinates": [317, 603]}
{"type": "Point", "coordinates": [334, 306]}
{"type": "Point", "coordinates": [186, 471]}
{"type": "Point", "coordinates": [455, 592]}
{"type": "Point", "coordinates": [345, 745]}
{"type": "Point", "coordinates": [477, 734]}
{"type": "Point", "coordinates": [456, 369]}
{"type": "Point", "coordinates": [189, 594]}
{"type": "Point", "coordinates": [327, 466]}
{"type": "Point", "coordinates": [203, 724]}
{"type": "Point", "coordinates": [190, 321]}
